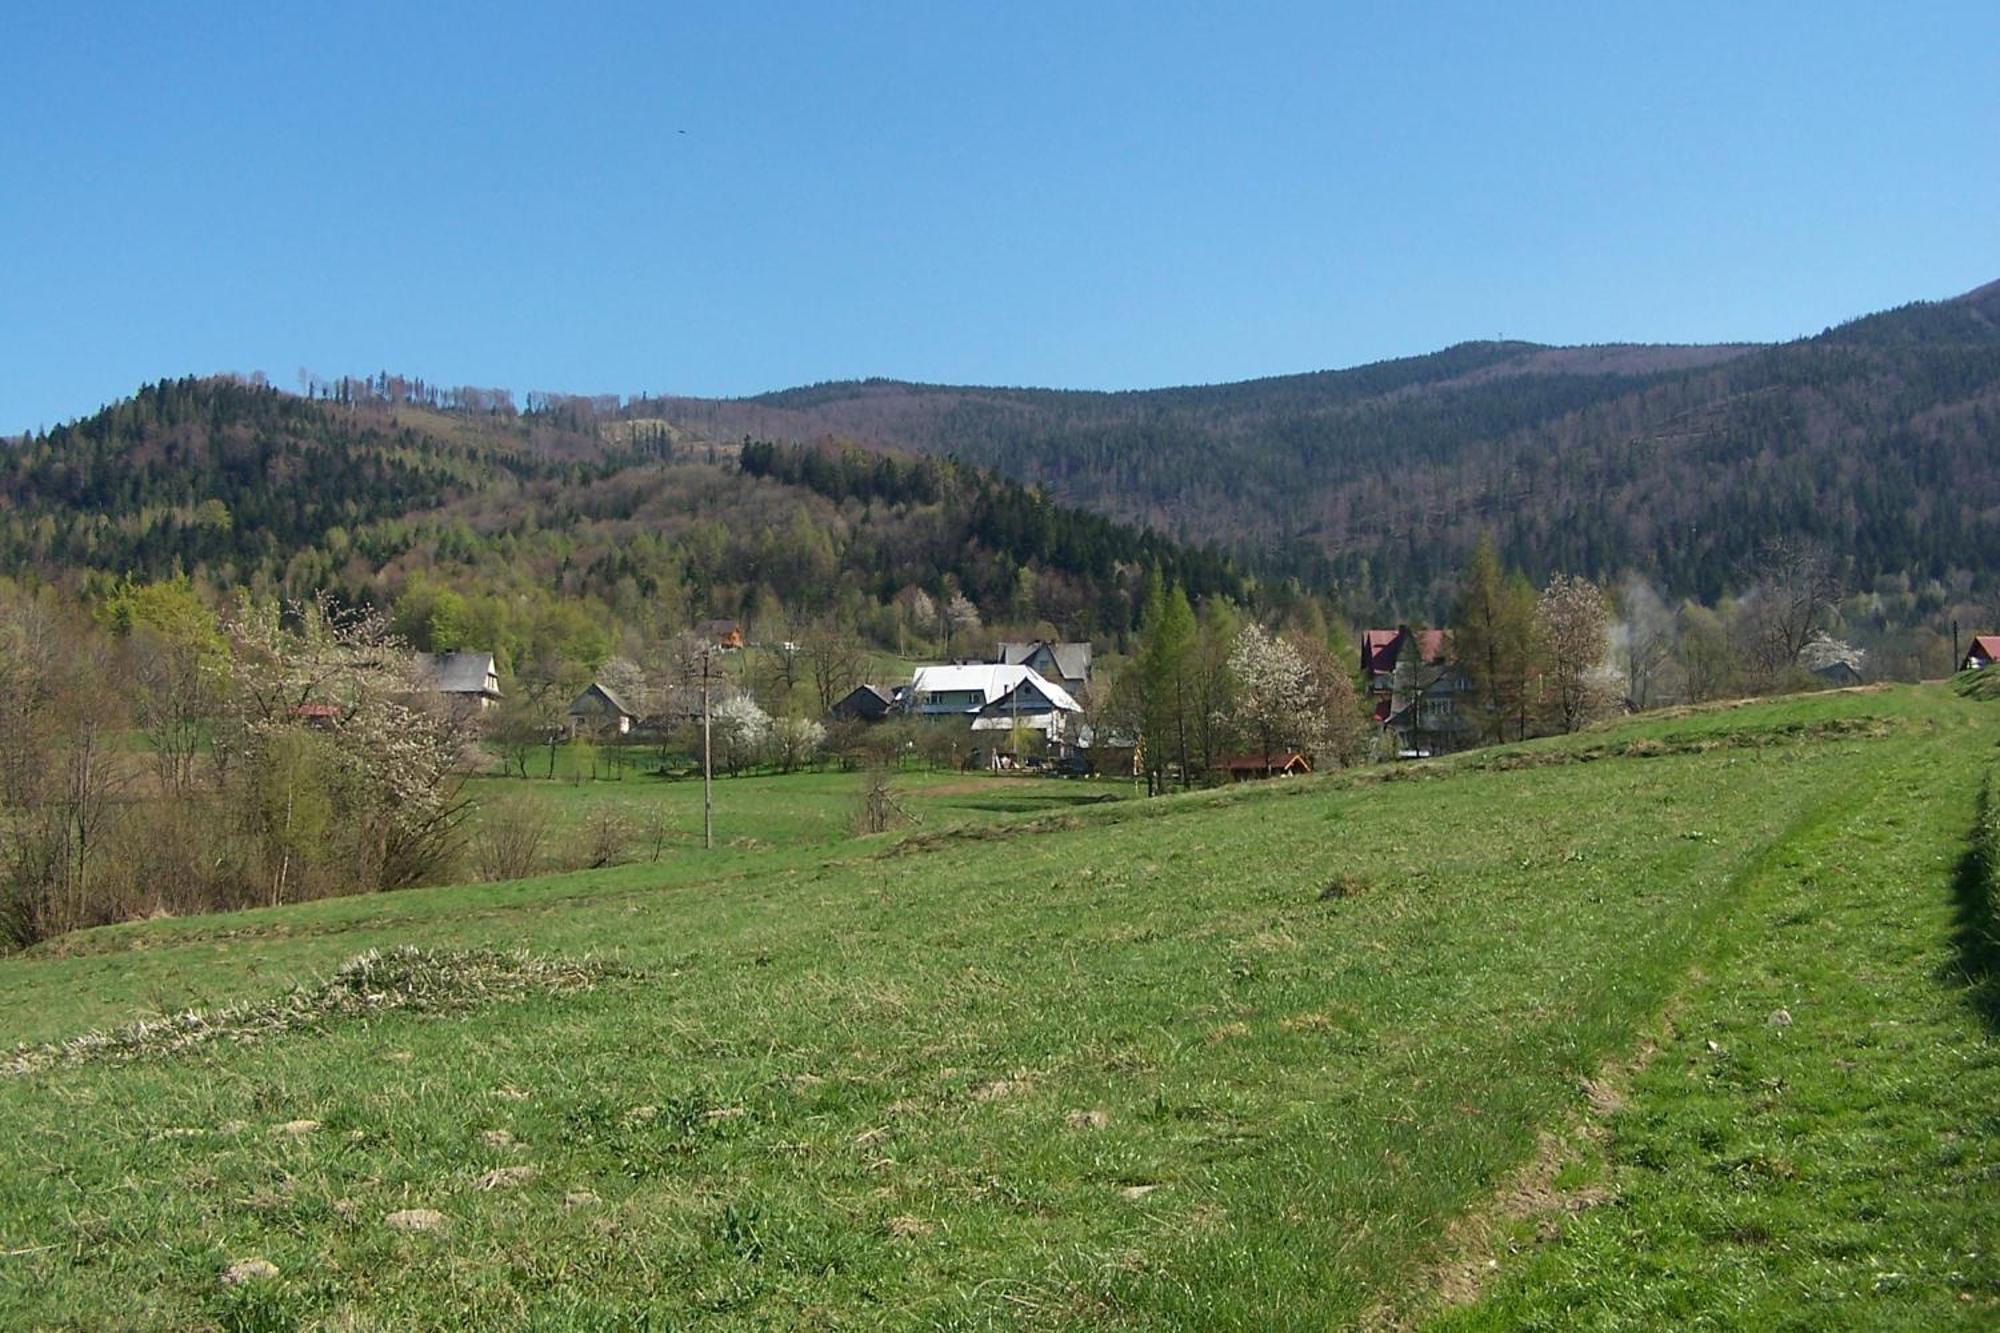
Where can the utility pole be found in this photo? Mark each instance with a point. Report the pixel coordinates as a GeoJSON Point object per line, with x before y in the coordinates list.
{"type": "Point", "coordinates": [707, 762]}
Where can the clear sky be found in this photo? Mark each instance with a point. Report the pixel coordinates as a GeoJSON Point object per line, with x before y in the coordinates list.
{"type": "Point", "coordinates": [722, 199]}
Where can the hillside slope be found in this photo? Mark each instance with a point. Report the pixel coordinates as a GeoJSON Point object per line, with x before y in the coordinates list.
{"type": "Point", "coordinates": [1877, 437]}
{"type": "Point", "coordinates": [628, 524]}
{"type": "Point", "coordinates": [1229, 1060]}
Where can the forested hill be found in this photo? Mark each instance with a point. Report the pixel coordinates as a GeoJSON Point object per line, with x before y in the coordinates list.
{"type": "Point", "coordinates": [562, 528]}
{"type": "Point", "coordinates": [1880, 438]}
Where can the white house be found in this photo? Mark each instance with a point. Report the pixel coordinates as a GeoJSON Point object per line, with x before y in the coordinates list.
{"type": "Point", "coordinates": [995, 698]}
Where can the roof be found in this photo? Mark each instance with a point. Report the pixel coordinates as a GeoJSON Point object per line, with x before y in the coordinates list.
{"type": "Point", "coordinates": [1986, 646]}
{"type": "Point", "coordinates": [1380, 648]}
{"type": "Point", "coordinates": [458, 673]}
{"type": "Point", "coordinates": [1259, 763]}
{"type": "Point", "coordinates": [993, 681]}
{"type": "Point", "coordinates": [864, 701]}
{"type": "Point", "coordinates": [598, 691]}
{"type": "Point", "coordinates": [1030, 721]}
{"type": "Point", "coordinates": [1072, 659]}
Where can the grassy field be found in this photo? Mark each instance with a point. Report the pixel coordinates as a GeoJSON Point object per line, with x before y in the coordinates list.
{"type": "Point", "coordinates": [788, 810]}
{"type": "Point", "coordinates": [1689, 1022]}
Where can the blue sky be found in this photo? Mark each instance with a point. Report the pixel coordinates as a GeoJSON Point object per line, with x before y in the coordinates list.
{"type": "Point", "coordinates": [724, 199]}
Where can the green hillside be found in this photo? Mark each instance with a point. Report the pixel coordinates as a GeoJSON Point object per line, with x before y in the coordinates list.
{"type": "Point", "coordinates": [562, 530]}
{"type": "Point", "coordinates": [1875, 438]}
{"type": "Point", "coordinates": [1688, 1021]}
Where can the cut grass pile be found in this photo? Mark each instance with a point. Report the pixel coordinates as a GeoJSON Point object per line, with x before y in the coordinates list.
{"type": "Point", "coordinates": [373, 983]}
{"type": "Point", "coordinates": [1132, 1066]}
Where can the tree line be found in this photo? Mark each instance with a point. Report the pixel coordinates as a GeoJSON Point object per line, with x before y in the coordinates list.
{"type": "Point", "coordinates": [158, 759]}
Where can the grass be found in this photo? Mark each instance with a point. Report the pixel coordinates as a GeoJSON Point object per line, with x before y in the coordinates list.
{"type": "Point", "coordinates": [794, 810]}
{"type": "Point", "coordinates": [1812, 1144]}
{"type": "Point", "coordinates": [1241, 1059]}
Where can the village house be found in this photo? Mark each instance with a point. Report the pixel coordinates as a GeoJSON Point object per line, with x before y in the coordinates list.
{"type": "Point", "coordinates": [724, 634]}
{"type": "Point", "coordinates": [995, 700]}
{"type": "Point", "coordinates": [863, 703]}
{"type": "Point", "coordinates": [1066, 664]}
{"type": "Point", "coordinates": [1985, 651]}
{"type": "Point", "coordinates": [599, 712]}
{"type": "Point", "coordinates": [1414, 689]}
{"type": "Point", "coordinates": [468, 680]}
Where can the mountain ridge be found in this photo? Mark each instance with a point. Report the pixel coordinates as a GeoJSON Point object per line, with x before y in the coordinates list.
{"type": "Point", "coordinates": [1678, 462]}
{"type": "Point", "coordinates": [1582, 458]}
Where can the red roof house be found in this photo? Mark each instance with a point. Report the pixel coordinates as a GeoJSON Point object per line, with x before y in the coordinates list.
{"type": "Point", "coordinates": [1382, 648]}
{"type": "Point", "coordinates": [1985, 651]}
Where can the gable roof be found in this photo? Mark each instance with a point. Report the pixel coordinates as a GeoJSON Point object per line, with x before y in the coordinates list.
{"type": "Point", "coordinates": [1278, 761]}
{"type": "Point", "coordinates": [993, 681]}
{"type": "Point", "coordinates": [579, 705]}
{"type": "Point", "coordinates": [1072, 659]}
{"type": "Point", "coordinates": [1984, 645]}
{"type": "Point", "coordinates": [1381, 648]}
{"type": "Point", "coordinates": [864, 701]}
{"type": "Point", "coordinates": [459, 673]}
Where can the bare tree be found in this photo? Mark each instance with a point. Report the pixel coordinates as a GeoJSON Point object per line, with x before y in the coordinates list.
{"type": "Point", "coordinates": [1795, 586]}
{"type": "Point", "coordinates": [59, 709]}
{"type": "Point", "coordinates": [834, 660]}
{"type": "Point", "coordinates": [1704, 653]}
{"type": "Point", "coordinates": [507, 840]}
{"type": "Point", "coordinates": [179, 685]}
{"type": "Point", "coordinates": [1643, 643]}
{"type": "Point", "coordinates": [1339, 732]}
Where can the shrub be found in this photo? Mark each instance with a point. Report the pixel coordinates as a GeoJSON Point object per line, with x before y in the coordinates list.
{"type": "Point", "coordinates": [507, 841]}
{"type": "Point", "coordinates": [607, 831]}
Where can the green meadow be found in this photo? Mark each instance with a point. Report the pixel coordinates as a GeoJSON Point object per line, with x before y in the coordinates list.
{"type": "Point", "coordinates": [1689, 1021]}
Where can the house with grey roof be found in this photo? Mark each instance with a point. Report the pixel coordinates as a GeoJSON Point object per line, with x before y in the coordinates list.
{"type": "Point", "coordinates": [863, 703]}
{"type": "Point", "coordinates": [600, 712]}
{"type": "Point", "coordinates": [1065, 664]}
{"type": "Point", "coordinates": [468, 679]}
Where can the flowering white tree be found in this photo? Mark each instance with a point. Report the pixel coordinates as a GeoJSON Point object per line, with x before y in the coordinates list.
{"type": "Point", "coordinates": [796, 742]}
{"type": "Point", "coordinates": [1823, 651]}
{"type": "Point", "coordinates": [741, 730]}
{"type": "Point", "coordinates": [960, 617]}
{"type": "Point", "coordinates": [628, 680]}
{"type": "Point", "coordinates": [1573, 628]}
{"type": "Point", "coordinates": [337, 753]}
{"type": "Point", "coordinates": [1274, 693]}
